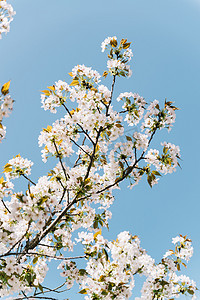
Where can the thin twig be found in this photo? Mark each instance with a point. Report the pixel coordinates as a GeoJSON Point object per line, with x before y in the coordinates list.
{"type": "Point", "coordinates": [45, 255]}
{"type": "Point", "coordinates": [5, 206]}
{"type": "Point", "coordinates": [13, 246]}
{"type": "Point", "coordinates": [56, 257]}
{"type": "Point", "coordinates": [112, 90]}
{"type": "Point", "coordinates": [80, 147]}
{"type": "Point", "coordinates": [59, 157]}
{"type": "Point", "coordinates": [35, 297]}
{"type": "Point", "coordinates": [28, 179]}
{"type": "Point", "coordinates": [55, 290]}
{"type": "Point", "coordinates": [75, 164]}
{"type": "Point", "coordinates": [85, 132]}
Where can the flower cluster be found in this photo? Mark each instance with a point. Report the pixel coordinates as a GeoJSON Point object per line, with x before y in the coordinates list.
{"type": "Point", "coordinates": [6, 16]}
{"type": "Point", "coordinates": [118, 56]}
{"type": "Point", "coordinates": [134, 110]}
{"type": "Point", "coordinates": [5, 188]}
{"type": "Point", "coordinates": [163, 282]}
{"type": "Point", "coordinates": [167, 161]}
{"type": "Point", "coordinates": [111, 268]}
{"type": "Point", "coordinates": [83, 73]}
{"type": "Point", "coordinates": [6, 106]}
{"type": "Point", "coordinates": [17, 166]}
{"type": "Point", "coordinates": [157, 118]}
{"type": "Point", "coordinates": [55, 96]}
{"type": "Point", "coordinates": [57, 139]}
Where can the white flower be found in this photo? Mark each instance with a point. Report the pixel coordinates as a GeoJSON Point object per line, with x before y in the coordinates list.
{"type": "Point", "coordinates": [107, 42]}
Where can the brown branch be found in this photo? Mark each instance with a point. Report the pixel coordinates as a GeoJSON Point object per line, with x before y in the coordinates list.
{"type": "Point", "coordinates": [75, 164]}
{"type": "Point", "coordinates": [19, 241]}
{"type": "Point", "coordinates": [55, 290]}
{"type": "Point", "coordinates": [45, 255]}
{"type": "Point", "coordinates": [35, 241]}
{"type": "Point", "coordinates": [128, 170]}
{"type": "Point", "coordinates": [80, 147]}
{"type": "Point", "coordinates": [41, 235]}
{"type": "Point", "coordinates": [93, 154]}
{"type": "Point", "coordinates": [112, 90]}
{"type": "Point", "coordinates": [85, 132]}
{"type": "Point", "coordinates": [55, 257]}
{"type": "Point", "coordinates": [5, 206]}
{"type": "Point", "coordinates": [28, 179]}
{"type": "Point", "coordinates": [35, 297]}
{"type": "Point", "coordinates": [59, 157]}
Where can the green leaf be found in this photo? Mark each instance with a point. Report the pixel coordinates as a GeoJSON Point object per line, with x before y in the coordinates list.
{"type": "Point", "coordinates": [106, 253]}
{"type": "Point", "coordinates": [95, 225]}
{"type": "Point", "coordinates": [41, 288]}
{"type": "Point", "coordinates": [156, 173]}
{"type": "Point", "coordinates": [84, 291]}
{"type": "Point", "coordinates": [128, 138]}
{"type": "Point", "coordinates": [121, 164]}
{"type": "Point", "coordinates": [191, 292]}
{"type": "Point", "coordinates": [149, 180]}
{"type": "Point", "coordinates": [35, 260]}
{"type": "Point", "coordinates": [102, 278]}
{"type": "Point", "coordinates": [118, 125]}
{"type": "Point", "coordinates": [104, 293]}
{"type": "Point", "coordinates": [82, 272]}
{"type": "Point", "coordinates": [165, 150]}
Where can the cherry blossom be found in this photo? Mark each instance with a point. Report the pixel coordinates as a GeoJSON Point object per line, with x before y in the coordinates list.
{"type": "Point", "coordinates": [6, 16]}
{"type": "Point", "coordinates": [68, 207]}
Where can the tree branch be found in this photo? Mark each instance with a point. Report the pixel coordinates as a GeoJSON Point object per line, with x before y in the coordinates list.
{"type": "Point", "coordinates": [78, 124]}
{"type": "Point", "coordinates": [28, 179]}
{"type": "Point", "coordinates": [5, 206]}
{"type": "Point", "coordinates": [59, 157]}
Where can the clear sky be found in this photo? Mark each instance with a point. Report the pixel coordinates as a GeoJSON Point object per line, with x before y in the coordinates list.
{"type": "Point", "coordinates": [48, 38]}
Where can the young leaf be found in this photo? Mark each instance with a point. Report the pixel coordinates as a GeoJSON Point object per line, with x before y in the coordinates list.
{"type": "Point", "coordinates": [128, 138]}
{"type": "Point", "coordinates": [35, 260]}
{"type": "Point", "coordinates": [70, 74]}
{"type": "Point", "coordinates": [105, 73]}
{"type": "Point", "coordinates": [156, 173]}
{"type": "Point", "coordinates": [46, 92]}
{"type": "Point", "coordinates": [97, 233]}
{"type": "Point", "coordinates": [74, 82]}
{"type": "Point", "coordinates": [84, 291]}
{"type": "Point", "coordinates": [52, 88]}
{"type": "Point", "coordinates": [149, 179]}
{"type": "Point", "coordinates": [126, 45]}
{"type": "Point", "coordinates": [5, 88]}
{"type": "Point", "coordinates": [7, 168]}
{"type": "Point", "coordinates": [106, 253]}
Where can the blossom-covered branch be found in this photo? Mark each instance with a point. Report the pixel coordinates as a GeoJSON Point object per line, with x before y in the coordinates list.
{"type": "Point", "coordinates": [70, 205]}
{"type": "Point", "coordinates": [6, 106]}
{"type": "Point", "coordinates": [6, 16]}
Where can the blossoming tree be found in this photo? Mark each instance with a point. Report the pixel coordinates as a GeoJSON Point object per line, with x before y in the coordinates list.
{"type": "Point", "coordinates": [70, 205]}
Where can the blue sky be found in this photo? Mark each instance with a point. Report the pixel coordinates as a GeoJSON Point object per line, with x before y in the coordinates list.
{"type": "Point", "coordinates": [48, 38]}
